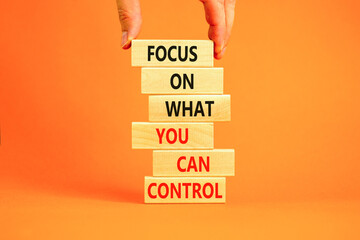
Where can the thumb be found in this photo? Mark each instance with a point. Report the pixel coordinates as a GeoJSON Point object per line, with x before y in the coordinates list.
{"type": "Point", "coordinates": [215, 16]}
{"type": "Point", "coordinates": [130, 19]}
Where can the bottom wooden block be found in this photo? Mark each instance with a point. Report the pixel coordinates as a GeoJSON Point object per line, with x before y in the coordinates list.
{"type": "Point", "coordinates": [185, 190]}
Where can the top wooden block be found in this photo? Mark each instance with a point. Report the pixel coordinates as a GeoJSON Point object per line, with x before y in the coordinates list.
{"type": "Point", "coordinates": [180, 53]}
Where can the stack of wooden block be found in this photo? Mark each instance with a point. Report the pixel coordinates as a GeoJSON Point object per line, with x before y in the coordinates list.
{"type": "Point", "coordinates": [183, 104]}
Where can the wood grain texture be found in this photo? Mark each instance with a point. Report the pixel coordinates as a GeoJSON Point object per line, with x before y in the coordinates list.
{"type": "Point", "coordinates": [204, 53]}
{"type": "Point", "coordinates": [185, 190]}
{"type": "Point", "coordinates": [218, 110]}
{"type": "Point", "coordinates": [174, 81]}
{"type": "Point", "coordinates": [146, 135]}
{"type": "Point", "coordinates": [197, 163]}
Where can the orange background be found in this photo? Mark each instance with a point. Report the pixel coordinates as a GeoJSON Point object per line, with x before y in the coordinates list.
{"type": "Point", "coordinates": [68, 96]}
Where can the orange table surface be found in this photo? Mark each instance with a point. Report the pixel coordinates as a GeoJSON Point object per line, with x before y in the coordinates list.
{"type": "Point", "coordinates": [34, 215]}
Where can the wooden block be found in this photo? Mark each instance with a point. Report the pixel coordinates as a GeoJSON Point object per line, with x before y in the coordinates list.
{"type": "Point", "coordinates": [172, 53]}
{"type": "Point", "coordinates": [185, 190]}
{"type": "Point", "coordinates": [172, 135]}
{"type": "Point", "coordinates": [182, 80]}
{"type": "Point", "coordinates": [198, 163]}
{"type": "Point", "coordinates": [194, 108]}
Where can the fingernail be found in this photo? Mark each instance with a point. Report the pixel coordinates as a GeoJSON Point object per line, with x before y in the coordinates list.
{"type": "Point", "coordinates": [124, 38]}
{"type": "Point", "coordinates": [218, 49]}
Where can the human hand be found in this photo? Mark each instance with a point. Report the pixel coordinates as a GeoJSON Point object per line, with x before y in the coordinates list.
{"type": "Point", "coordinates": [219, 15]}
